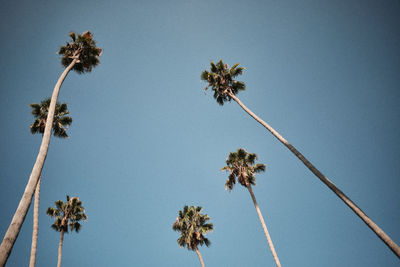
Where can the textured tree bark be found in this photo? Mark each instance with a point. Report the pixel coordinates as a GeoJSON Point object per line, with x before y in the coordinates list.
{"type": "Point", "coordinates": [200, 258]}
{"type": "Point", "coordinates": [375, 228]}
{"type": "Point", "coordinates": [25, 202]}
{"type": "Point", "coordinates": [35, 231]}
{"type": "Point", "coordinates": [60, 248]}
{"type": "Point", "coordinates": [264, 226]}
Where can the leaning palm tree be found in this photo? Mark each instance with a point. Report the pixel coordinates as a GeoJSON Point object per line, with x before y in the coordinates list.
{"type": "Point", "coordinates": [60, 124]}
{"type": "Point", "coordinates": [193, 226]}
{"type": "Point", "coordinates": [80, 55]}
{"type": "Point", "coordinates": [66, 214]}
{"type": "Point", "coordinates": [221, 79]}
{"type": "Point", "coordinates": [240, 166]}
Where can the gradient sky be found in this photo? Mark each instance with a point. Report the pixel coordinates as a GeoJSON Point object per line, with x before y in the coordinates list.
{"type": "Point", "coordinates": [146, 140]}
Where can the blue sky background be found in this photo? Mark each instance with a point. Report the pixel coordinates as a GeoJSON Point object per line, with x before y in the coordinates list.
{"type": "Point", "coordinates": [146, 140]}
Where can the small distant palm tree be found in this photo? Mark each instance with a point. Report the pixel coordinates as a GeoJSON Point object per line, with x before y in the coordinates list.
{"type": "Point", "coordinates": [240, 165]}
{"type": "Point", "coordinates": [193, 226]}
{"type": "Point", "coordinates": [66, 214]}
{"type": "Point", "coordinates": [80, 55]}
{"type": "Point", "coordinates": [221, 79]}
{"type": "Point", "coordinates": [60, 124]}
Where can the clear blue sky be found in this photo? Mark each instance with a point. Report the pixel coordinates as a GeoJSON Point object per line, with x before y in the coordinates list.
{"type": "Point", "coordinates": [146, 140]}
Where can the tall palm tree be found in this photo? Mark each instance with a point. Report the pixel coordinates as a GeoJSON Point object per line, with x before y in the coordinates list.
{"type": "Point", "coordinates": [80, 55]}
{"type": "Point", "coordinates": [221, 79]}
{"type": "Point", "coordinates": [193, 226]}
{"type": "Point", "coordinates": [66, 214]}
{"type": "Point", "coordinates": [60, 124]}
{"type": "Point", "coordinates": [240, 166]}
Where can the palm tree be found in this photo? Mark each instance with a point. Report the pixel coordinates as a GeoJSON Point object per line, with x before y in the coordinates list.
{"type": "Point", "coordinates": [221, 79]}
{"type": "Point", "coordinates": [80, 55]}
{"type": "Point", "coordinates": [66, 214]}
{"type": "Point", "coordinates": [193, 226]}
{"type": "Point", "coordinates": [240, 165]}
{"type": "Point", "coordinates": [60, 124]}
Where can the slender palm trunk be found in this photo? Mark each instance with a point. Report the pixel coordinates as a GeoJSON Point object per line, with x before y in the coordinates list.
{"type": "Point", "coordinates": [35, 224]}
{"type": "Point", "coordinates": [264, 226]}
{"type": "Point", "coordinates": [200, 258]}
{"type": "Point", "coordinates": [60, 248]}
{"type": "Point", "coordinates": [25, 202]}
{"type": "Point", "coordinates": [377, 230]}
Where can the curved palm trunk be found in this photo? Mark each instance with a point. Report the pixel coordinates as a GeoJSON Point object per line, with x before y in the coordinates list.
{"type": "Point", "coordinates": [60, 248]}
{"type": "Point", "coordinates": [23, 207]}
{"type": "Point", "coordinates": [377, 230]}
{"type": "Point", "coordinates": [35, 225]}
{"type": "Point", "coordinates": [200, 258]}
{"type": "Point", "coordinates": [264, 226]}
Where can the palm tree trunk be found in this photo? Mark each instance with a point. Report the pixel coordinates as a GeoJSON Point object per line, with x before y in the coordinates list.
{"type": "Point", "coordinates": [35, 225]}
{"type": "Point", "coordinates": [25, 202]}
{"type": "Point", "coordinates": [60, 248]}
{"type": "Point", "coordinates": [377, 230]}
{"type": "Point", "coordinates": [264, 226]}
{"type": "Point", "coordinates": [200, 258]}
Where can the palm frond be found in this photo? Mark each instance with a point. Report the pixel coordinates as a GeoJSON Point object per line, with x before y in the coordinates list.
{"type": "Point", "coordinates": [73, 36]}
{"type": "Point", "coordinates": [213, 66]}
{"type": "Point", "coordinates": [259, 168]}
{"type": "Point", "coordinates": [204, 75]}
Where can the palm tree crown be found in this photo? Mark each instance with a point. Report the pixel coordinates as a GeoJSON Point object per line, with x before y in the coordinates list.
{"type": "Point", "coordinates": [82, 47]}
{"type": "Point", "coordinates": [220, 79]}
{"type": "Point", "coordinates": [192, 225]}
{"type": "Point", "coordinates": [60, 123]}
{"type": "Point", "coordinates": [67, 214]}
{"type": "Point", "coordinates": [240, 164]}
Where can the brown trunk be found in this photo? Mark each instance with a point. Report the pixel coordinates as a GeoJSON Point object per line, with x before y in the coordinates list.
{"type": "Point", "coordinates": [377, 230]}
{"type": "Point", "coordinates": [264, 226]}
{"type": "Point", "coordinates": [35, 225]}
{"type": "Point", "coordinates": [60, 248]}
{"type": "Point", "coordinates": [200, 258]}
{"type": "Point", "coordinates": [25, 202]}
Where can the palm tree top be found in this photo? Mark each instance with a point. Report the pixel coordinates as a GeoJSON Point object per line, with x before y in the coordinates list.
{"type": "Point", "coordinates": [61, 121]}
{"type": "Point", "coordinates": [193, 226]}
{"type": "Point", "coordinates": [220, 79]}
{"type": "Point", "coordinates": [240, 165]}
{"type": "Point", "coordinates": [82, 47]}
{"type": "Point", "coordinates": [67, 214]}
